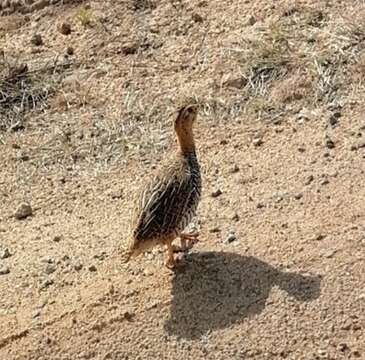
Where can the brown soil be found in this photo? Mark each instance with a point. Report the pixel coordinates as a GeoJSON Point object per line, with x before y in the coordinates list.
{"type": "Point", "coordinates": [279, 272]}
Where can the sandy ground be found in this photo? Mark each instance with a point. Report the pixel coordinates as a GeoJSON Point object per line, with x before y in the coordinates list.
{"type": "Point", "coordinates": [279, 272]}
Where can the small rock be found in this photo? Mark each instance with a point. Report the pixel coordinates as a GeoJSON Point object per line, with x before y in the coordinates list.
{"type": "Point", "coordinates": [48, 260]}
{"type": "Point", "coordinates": [57, 238]}
{"type": "Point", "coordinates": [46, 283]}
{"type": "Point", "coordinates": [231, 237]}
{"type": "Point", "coordinates": [101, 256]}
{"type": "Point", "coordinates": [70, 50]}
{"type": "Point", "coordinates": [278, 197]}
{"type": "Point", "coordinates": [358, 146]}
{"type": "Point", "coordinates": [237, 83]}
{"type": "Point", "coordinates": [23, 212]}
{"type": "Point", "coordinates": [347, 325]}
{"type": "Point", "coordinates": [329, 253]}
{"type": "Point", "coordinates": [116, 194]}
{"type": "Point", "coordinates": [308, 179]}
{"type": "Point", "coordinates": [197, 18]}
{"type": "Point", "coordinates": [298, 196]}
{"type": "Point", "coordinates": [333, 119]}
{"type": "Point", "coordinates": [78, 266]}
{"type": "Point", "coordinates": [22, 156]}
{"type": "Point", "coordinates": [215, 230]}
{"type": "Point", "coordinates": [319, 237]}
{"type": "Point", "coordinates": [4, 254]}
{"type": "Point", "coordinates": [257, 141]}
{"type": "Point", "coordinates": [92, 268]}
{"type": "Point", "coordinates": [234, 169]}
{"type": "Point", "coordinates": [324, 182]}
{"type": "Point", "coordinates": [251, 20]}
{"type": "Point", "coordinates": [4, 270]}
{"type": "Point", "coordinates": [128, 315]}
{"type": "Point", "coordinates": [330, 144]}
{"type": "Point", "coordinates": [216, 193]}
{"type": "Point", "coordinates": [147, 272]}
{"type": "Point", "coordinates": [50, 268]}
{"type": "Point", "coordinates": [235, 217]}
{"type": "Point", "coordinates": [36, 314]}
{"type": "Point", "coordinates": [130, 48]}
{"type": "Point", "coordinates": [322, 352]}
{"type": "Point", "coordinates": [260, 205]}
{"type": "Point", "coordinates": [343, 347]}
{"type": "Point", "coordinates": [37, 40]}
{"type": "Point", "coordinates": [65, 29]}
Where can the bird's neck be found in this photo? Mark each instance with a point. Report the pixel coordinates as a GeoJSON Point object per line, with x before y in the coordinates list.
{"type": "Point", "coordinates": [185, 138]}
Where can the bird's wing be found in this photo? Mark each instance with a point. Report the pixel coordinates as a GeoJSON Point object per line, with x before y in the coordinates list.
{"type": "Point", "coordinates": [162, 204]}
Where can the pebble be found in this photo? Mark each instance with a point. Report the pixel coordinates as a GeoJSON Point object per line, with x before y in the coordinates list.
{"type": "Point", "coordinates": [308, 179]}
{"type": "Point", "coordinates": [234, 169]}
{"type": "Point", "coordinates": [128, 315]}
{"type": "Point", "coordinates": [92, 268]}
{"type": "Point", "coordinates": [46, 283]}
{"type": "Point", "coordinates": [116, 194]}
{"type": "Point", "coordinates": [216, 193]}
{"type": "Point", "coordinates": [78, 266]}
{"type": "Point", "coordinates": [70, 50]}
{"type": "Point", "coordinates": [36, 314]}
{"type": "Point", "coordinates": [4, 270]}
{"type": "Point", "coordinates": [298, 196]}
{"type": "Point", "coordinates": [355, 147]}
{"type": "Point", "coordinates": [130, 48]}
{"type": "Point", "coordinates": [50, 268]}
{"type": "Point", "coordinates": [37, 40]}
{"type": "Point", "coordinates": [57, 238]}
{"type": "Point", "coordinates": [235, 217]}
{"type": "Point", "coordinates": [330, 144]}
{"type": "Point", "coordinates": [23, 211]}
{"type": "Point", "coordinates": [333, 119]}
{"type": "Point", "coordinates": [329, 253]}
{"type": "Point", "coordinates": [231, 237]}
{"type": "Point", "coordinates": [197, 18]}
{"type": "Point", "coordinates": [147, 272]}
{"type": "Point", "coordinates": [324, 182]}
{"type": "Point", "coordinates": [251, 20]}
{"type": "Point", "coordinates": [65, 29]}
{"type": "Point", "coordinates": [4, 254]}
{"type": "Point", "coordinates": [257, 141]}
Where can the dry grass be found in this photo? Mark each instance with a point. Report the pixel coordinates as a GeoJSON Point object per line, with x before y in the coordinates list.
{"type": "Point", "coordinates": [24, 89]}
{"type": "Point", "coordinates": [297, 56]}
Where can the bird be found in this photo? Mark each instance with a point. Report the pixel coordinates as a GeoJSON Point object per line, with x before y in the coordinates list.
{"type": "Point", "coordinates": [168, 202]}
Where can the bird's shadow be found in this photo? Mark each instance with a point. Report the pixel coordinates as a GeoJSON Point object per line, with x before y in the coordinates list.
{"type": "Point", "coordinates": [217, 289]}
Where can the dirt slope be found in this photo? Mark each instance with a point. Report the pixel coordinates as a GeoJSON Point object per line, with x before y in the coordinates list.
{"type": "Point", "coordinates": [280, 269]}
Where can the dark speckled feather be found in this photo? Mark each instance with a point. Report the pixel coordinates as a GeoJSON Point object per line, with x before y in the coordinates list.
{"type": "Point", "coordinates": [169, 202]}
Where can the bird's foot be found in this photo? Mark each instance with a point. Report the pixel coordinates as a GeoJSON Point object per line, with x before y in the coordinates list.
{"type": "Point", "coordinates": [174, 263]}
{"type": "Point", "coordinates": [188, 240]}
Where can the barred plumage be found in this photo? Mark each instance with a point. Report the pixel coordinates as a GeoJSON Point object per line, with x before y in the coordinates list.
{"type": "Point", "coordinates": [168, 203]}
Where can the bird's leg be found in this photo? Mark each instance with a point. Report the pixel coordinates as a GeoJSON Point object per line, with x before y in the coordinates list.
{"type": "Point", "coordinates": [170, 262]}
{"type": "Point", "coordinates": [188, 240]}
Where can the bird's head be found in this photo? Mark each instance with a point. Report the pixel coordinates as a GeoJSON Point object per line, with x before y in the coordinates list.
{"type": "Point", "coordinates": [186, 117]}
